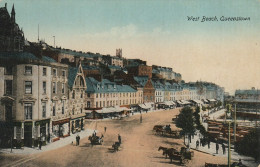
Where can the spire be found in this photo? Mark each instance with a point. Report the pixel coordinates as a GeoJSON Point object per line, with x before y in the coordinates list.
{"type": "Point", "coordinates": [13, 14]}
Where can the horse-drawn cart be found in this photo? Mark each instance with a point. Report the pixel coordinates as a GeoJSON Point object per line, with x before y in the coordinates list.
{"type": "Point", "coordinates": [96, 140]}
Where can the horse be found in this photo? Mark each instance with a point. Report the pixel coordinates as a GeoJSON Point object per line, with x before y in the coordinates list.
{"type": "Point", "coordinates": [174, 154]}
{"type": "Point", "coordinates": [160, 131]}
{"type": "Point", "coordinates": [164, 149]}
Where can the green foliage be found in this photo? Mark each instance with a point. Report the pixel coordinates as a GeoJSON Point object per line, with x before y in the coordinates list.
{"type": "Point", "coordinates": [249, 145]}
{"type": "Point", "coordinates": [185, 121]}
{"type": "Point", "coordinates": [199, 126]}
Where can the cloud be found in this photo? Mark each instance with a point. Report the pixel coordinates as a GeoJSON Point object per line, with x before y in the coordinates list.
{"type": "Point", "coordinates": [127, 32]}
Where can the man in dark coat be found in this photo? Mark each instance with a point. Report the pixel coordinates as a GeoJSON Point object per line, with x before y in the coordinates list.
{"type": "Point", "coordinates": [217, 147]}
{"type": "Point", "coordinates": [119, 138]}
{"type": "Point", "coordinates": [223, 148]}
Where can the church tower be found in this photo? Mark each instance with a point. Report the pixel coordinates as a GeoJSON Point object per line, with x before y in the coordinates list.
{"type": "Point", "coordinates": [13, 15]}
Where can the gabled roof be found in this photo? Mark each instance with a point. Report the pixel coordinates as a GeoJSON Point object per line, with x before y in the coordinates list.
{"type": "Point", "coordinates": [72, 75]}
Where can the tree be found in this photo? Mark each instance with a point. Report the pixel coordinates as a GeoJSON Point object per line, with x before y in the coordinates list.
{"type": "Point", "coordinates": [199, 126]}
{"type": "Point", "coordinates": [249, 145]}
{"type": "Point", "coordinates": [185, 121]}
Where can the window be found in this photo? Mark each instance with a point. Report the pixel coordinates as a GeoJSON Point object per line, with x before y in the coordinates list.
{"type": "Point", "coordinates": [104, 104]}
{"type": "Point", "coordinates": [63, 107]}
{"type": "Point", "coordinates": [73, 110]}
{"type": "Point", "coordinates": [63, 88]}
{"type": "Point", "coordinates": [54, 72]}
{"type": "Point", "coordinates": [54, 87]}
{"type": "Point", "coordinates": [44, 87]}
{"type": "Point", "coordinates": [81, 109]}
{"type": "Point", "coordinates": [28, 87]}
{"type": "Point", "coordinates": [54, 109]}
{"type": "Point", "coordinates": [96, 104]}
{"type": "Point", "coordinates": [63, 73]}
{"type": "Point", "coordinates": [88, 104]}
{"type": "Point", "coordinates": [81, 95]}
{"type": "Point", "coordinates": [100, 104]}
{"type": "Point", "coordinates": [28, 70]}
{"type": "Point", "coordinates": [73, 94]}
{"type": "Point", "coordinates": [8, 70]}
{"type": "Point", "coordinates": [44, 71]}
{"type": "Point", "coordinates": [28, 110]}
{"type": "Point", "coordinates": [43, 109]}
{"type": "Point", "coordinates": [96, 95]}
{"type": "Point", "coordinates": [8, 87]}
{"type": "Point", "coordinates": [88, 94]}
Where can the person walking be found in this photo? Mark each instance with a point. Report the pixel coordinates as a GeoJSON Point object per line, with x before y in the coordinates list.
{"type": "Point", "coordinates": [208, 144]}
{"type": "Point", "coordinates": [119, 138]}
{"type": "Point", "coordinates": [223, 148]}
{"type": "Point", "coordinates": [197, 144]}
{"type": "Point", "coordinates": [40, 143]}
{"type": "Point", "coordinates": [105, 128]}
{"type": "Point", "coordinates": [77, 140]}
{"type": "Point", "coordinates": [141, 118]}
{"type": "Point", "coordinates": [217, 147]}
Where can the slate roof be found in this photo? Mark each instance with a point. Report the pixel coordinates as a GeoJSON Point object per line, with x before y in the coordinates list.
{"type": "Point", "coordinates": [72, 75]}
{"type": "Point", "coordinates": [142, 80]}
{"type": "Point", "coordinates": [248, 92]}
{"type": "Point", "coordinates": [24, 56]}
{"type": "Point", "coordinates": [106, 86]}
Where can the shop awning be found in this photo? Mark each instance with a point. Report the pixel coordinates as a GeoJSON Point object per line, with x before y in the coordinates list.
{"type": "Point", "coordinates": [212, 100]}
{"type": "Point", "coordinates": [143, 106]}
{"type": "Point", "coordinates": [168, 103]}
{"type": "Point", "coordinates": [149, 105]}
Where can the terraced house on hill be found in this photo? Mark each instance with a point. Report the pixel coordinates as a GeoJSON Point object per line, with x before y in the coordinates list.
{"type": "Point", "coordinates": [101, 94]}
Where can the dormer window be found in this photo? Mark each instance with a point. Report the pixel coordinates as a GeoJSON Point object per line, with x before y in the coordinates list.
{"type": "Point", "coordinates": [28, 70]}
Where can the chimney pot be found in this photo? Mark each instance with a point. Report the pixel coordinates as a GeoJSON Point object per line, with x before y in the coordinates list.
{"type": "Point", "coordinates": [6, 5]}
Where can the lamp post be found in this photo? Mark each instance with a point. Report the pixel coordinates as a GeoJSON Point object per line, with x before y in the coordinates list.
{"type": "Point", "coordinates": [229, 120]}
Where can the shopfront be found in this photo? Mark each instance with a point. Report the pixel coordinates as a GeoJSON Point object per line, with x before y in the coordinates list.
{"type": "Point", "coordinates": [60, 128]}
{"type": "Point", "coordinates": [77, 124]}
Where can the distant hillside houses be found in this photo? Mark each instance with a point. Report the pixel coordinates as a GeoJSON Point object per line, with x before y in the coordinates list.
{"type": "Point", "coordinates": [48, 93]}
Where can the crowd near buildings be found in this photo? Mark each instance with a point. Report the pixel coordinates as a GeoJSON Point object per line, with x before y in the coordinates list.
{"type": "Point", "coordinates": [48, 92]}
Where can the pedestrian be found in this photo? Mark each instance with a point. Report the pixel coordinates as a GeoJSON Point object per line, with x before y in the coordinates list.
{"type": "Point", "coordinates": [223, 148]}
{"type": "Point", "coordinates": [208, 144]}
{"type": "Point", "coordinates": [141, 118]}
{"type": "Point", "coordinates": [94, 133]}
{"type": "Point", "coordinates": [197, 144]}
{"type": "Point", "coordinates": [77, 140]}
{"type": "Point", "coordinates": [119, 138]}
{"type": "Point", "coordinates": [217, 147]}
{"type": "Point", "coordinates": [105, 128]}
{"type": "Point", "coordinates": [40, 144]}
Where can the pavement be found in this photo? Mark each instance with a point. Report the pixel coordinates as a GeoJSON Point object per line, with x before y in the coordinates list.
{"type": "Point", "coordinates": [50, 146]}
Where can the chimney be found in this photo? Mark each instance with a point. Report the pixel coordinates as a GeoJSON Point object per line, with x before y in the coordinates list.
{"type": "Point", "coordinates": [6, 5]}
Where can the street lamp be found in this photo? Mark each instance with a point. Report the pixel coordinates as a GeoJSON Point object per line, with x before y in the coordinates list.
{"type": "Point", "coordinates": [229, 120]}
{"type": "Point", "coordinates": [54, 41]}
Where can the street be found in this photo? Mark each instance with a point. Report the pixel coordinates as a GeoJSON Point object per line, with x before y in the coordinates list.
{"type": "Point", "coordinates": [139, 146]}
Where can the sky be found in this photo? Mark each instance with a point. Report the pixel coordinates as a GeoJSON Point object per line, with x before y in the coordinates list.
{"type": "Point", "coordinates": [224, 52]}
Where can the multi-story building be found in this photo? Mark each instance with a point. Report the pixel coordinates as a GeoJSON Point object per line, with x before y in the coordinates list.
{"type": "Point", "coordinates": [109, 94]}
{"type": "Point", "coordinates": [140, 70]}
{"type": "Point", "coordinates": [26, 99]}
{"type": "Point", "coordinates": [148, 88]}
{"type": "Point", "coordinates": [247, 100]}
{"type": "Point", "coordinates": [60, 118]}
{"type": "Point", "coordinates": [113, 60]}
{"type": "Point", "coordinates": [77, 87]}
{"type": "Point", "coordinates": [159, 91]}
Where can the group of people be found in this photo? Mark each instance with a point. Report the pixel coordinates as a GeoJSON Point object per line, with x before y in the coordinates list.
{"type": "Point", "coordinates": [223, 148]}
{"type": "Point", "coordinates": [202, 142]}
